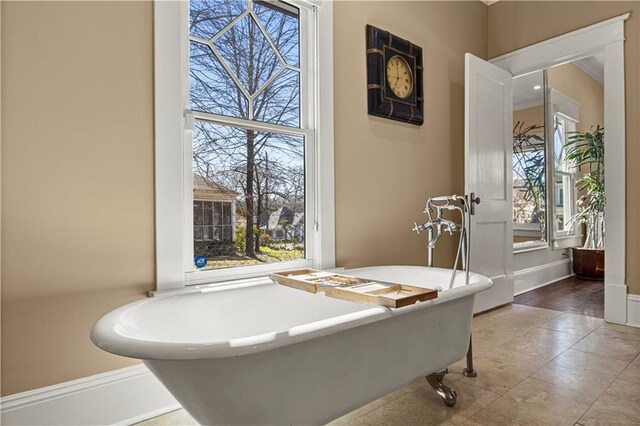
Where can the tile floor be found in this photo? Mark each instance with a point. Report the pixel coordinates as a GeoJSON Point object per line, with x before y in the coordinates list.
{"type": "Point", "coordinates": [535, 367]}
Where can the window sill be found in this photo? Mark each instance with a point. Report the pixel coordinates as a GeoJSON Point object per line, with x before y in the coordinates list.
{"type": "Point", "coordinates": [213, 287]}
{"type": "Point", "coordinates": [525, 248]}
{"type": "Point", "coordinates": [567, 241]}
{"type": "Point", "coordinates": [213, 276]}
{"type": "Point", "coordinates": [231, 284]}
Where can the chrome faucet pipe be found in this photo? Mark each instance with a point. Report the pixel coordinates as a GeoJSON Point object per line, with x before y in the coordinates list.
{"type": "Point", "coordinates": [464, 205]}
{"type": "Point", "coordinates": [437, 224]}
{"type": "Point", "coordinates": [430, 248]}
{"type": "Point", "coordinates": [461, 245]}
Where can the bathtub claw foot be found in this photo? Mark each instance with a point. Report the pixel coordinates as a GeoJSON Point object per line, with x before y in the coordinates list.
{"type": "Point", "coordinates": [469, 373]}
{"type": "Point", "coordinates": [448, 395]}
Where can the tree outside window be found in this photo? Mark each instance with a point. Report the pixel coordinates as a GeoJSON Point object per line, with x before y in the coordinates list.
{"type": "Point", "coordinates": [244, 59]}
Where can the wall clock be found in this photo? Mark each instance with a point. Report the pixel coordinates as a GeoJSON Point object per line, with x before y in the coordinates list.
{"type": "Point", "coordinates": [394, 77]}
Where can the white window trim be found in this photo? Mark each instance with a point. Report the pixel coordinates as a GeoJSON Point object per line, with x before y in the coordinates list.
{"type": "Point", "coordinates": [308, 106]}
{"type": "Point", "coordinates": [528, 246]}
{"type": "Point", "coordinates": [560, 104]}
{"type": "Point", "coordinates": [172, 122]}
{"type": "Point", "coordinates": [526, 229]}
{"type": "Point", "coordinates": [569, 199]}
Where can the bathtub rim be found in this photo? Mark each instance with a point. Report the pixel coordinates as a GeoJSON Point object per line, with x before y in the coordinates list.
{"type": "Point", "coordinates": [104, 334]}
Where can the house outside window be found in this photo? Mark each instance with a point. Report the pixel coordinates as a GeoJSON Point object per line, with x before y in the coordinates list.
{"type": "Point", "coordinates": [214, 212]}
{"type": "Point", "coordinates": [212, 221]}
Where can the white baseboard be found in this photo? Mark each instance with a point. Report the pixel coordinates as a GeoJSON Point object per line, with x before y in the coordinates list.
{"type": "Point", "coordinates": [615, 303]}
{"type": "Point", "coordinates": [122, 397]}
{"type": "Point", "coordinates": [633, 310]}
{"type": "Point", "coordinates": [539, 276]}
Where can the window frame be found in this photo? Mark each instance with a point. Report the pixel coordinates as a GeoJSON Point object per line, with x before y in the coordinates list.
{"type": "Point", "coordinates": [569, 198]}
{"type": "Point", "coordinates": [175, 122]}
{"type": "Point", "coordinates": [568, 109]}
{"type": "Point", "coordinates": [307, 25]}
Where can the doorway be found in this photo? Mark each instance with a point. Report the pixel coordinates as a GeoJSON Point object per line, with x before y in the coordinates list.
{"type": "Point", "coordinates": [558, 179]}
{"type": "Point", "coordinates": [606, 39]}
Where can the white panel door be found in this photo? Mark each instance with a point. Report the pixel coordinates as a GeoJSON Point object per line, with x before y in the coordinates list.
{"type": "Point", "coordinates": [488, 174]}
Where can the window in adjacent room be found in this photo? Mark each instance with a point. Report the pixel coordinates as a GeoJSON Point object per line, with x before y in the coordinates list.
{"type": "Point", "coordinates": [564, 176]}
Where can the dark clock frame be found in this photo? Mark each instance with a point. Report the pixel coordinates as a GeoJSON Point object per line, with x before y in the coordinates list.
{"type": "Point", "coordinates": [381, 102]}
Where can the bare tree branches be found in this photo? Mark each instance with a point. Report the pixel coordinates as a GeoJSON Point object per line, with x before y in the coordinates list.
{"type": "Point", "coordinates": [267, 168]}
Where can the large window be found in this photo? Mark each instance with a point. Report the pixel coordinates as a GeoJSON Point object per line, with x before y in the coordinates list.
{"type": "Point", "coordinates": [253, 134]}
{"type": "Point", "coordinates": [243, 139]}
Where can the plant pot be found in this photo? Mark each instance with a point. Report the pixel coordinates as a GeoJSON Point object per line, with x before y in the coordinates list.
{"type": "Point", "coordinates": [588, 264]}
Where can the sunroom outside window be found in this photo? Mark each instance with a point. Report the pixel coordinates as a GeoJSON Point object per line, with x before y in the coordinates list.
{"type": "Point", "coordinates": [252, 141]}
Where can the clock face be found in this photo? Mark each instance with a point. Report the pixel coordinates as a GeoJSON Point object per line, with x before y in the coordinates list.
{"type": "Point", "coordinates": [399, 77]}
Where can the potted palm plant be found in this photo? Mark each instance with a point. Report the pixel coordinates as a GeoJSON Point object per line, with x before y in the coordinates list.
{"type": "Point", "coordinates": [586, 151]}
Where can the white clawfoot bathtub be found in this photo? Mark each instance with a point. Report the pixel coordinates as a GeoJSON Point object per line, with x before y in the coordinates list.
{"type": "Point", "coordinates": [269, 354]}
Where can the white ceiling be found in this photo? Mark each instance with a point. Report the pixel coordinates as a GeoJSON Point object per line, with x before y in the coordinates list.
{"type": "Point", "coordinates": [524, 94]}
{"type": "Point", "coordinates": [593, 66]}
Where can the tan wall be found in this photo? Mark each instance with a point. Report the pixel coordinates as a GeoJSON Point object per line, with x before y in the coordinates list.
{"type": "Point", "coordinates": [577, 85]}
{"type": "Point", "coordinates": [77, 181]}
{"type": "Point", "coordinates": [79, 124]}
{"type": "Point", "coordinates": [530, 116]}
{"type": "Point", "coordinates": [77, 135]}
{"type": "Point", "coordinates": [386, 170]}
{"type": "Point", "coordinates": [513, 25]}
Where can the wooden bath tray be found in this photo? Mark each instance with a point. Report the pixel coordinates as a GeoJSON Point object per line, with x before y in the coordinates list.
{"type": "Point", "coordinates": [361, 290]}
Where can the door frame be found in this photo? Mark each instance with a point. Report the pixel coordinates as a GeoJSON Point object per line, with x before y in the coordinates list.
{"type": "Point", "coordinates": [608, 37]}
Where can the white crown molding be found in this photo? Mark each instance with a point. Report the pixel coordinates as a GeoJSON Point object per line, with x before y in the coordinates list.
{"type": "Point", "coordinates": [525, 105]}
{"type": "Point", "coordinates": [123, 396]}
{"type": "Point", "coordinates": [563, 104]}
{"type": "Point", "coordinates": [596, 73]}
{"type": "Point", "coordinates": [565, 48]}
